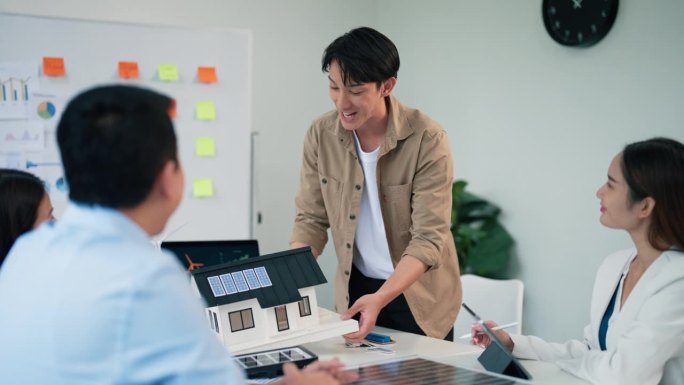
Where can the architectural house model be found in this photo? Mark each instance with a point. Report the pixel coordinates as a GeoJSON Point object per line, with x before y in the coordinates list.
{"type": "Point", "coordinates": [268, 302]}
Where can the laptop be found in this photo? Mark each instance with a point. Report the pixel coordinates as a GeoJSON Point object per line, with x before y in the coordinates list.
{"type": "Point", "coordinates": [198, 254]}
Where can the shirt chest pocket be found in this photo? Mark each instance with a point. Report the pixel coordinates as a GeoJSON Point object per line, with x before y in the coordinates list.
{"type": "Point", "coordinates": [397, 203]}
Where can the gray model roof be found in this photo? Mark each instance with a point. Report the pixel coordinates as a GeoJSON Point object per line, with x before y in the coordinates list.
{"type": "Point", "coordinates": [288, 271]}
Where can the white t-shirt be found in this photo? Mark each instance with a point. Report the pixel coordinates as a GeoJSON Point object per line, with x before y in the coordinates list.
{"type": "Point", "coordinates": [373, 259]}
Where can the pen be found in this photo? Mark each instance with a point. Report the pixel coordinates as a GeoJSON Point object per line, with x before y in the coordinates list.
{"type": "Point", "coordinates": [504, 326]}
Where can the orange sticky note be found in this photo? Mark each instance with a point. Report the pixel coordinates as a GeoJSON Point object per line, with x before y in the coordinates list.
{"type": "Point", "coordinates": [53, 66]}
{"type": "Point", "coordinates": [207, 74]}
{"type": "Point", "coordinates": [128, 70]}
{"type": "Point", "coordinates": [172, 109]}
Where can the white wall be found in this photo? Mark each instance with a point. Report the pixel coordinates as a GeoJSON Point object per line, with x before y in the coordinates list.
{"type": "Point", "coordinates": [533, 125]}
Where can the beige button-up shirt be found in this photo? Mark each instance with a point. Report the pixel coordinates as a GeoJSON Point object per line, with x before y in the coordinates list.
{"type": "Point", "coordinates": [414, 176]}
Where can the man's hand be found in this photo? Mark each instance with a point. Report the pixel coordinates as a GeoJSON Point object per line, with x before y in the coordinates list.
{"type": "Point", "coordinates": [369, 306]}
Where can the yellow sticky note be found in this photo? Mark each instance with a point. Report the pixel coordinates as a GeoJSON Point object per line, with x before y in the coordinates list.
{"type": "Point", "coordinates": [205, 110]}
{"type": "Point", "coordinates": [168, 72]}
{"type": "Point", "coordinates": [202, 188]}
{"type": "Point", "coordinates": [205, 146]}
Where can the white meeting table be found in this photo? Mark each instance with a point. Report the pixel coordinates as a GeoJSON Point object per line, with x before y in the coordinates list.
{"type": "Point", "coordinates": [456, 353]}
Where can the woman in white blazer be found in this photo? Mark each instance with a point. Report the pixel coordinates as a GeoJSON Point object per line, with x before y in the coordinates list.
{"type": "Point", "coordinates": [636, 333]}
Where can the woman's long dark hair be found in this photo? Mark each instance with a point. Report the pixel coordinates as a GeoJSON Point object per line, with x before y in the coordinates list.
{"type": "Point", "coordinates": [20, 196]}
{"type": "Point", "coordinates": [655, 168]}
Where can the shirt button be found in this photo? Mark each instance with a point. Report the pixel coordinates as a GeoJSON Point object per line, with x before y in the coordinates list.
{"type": "Point", "coordinates": [352, 217]}
{"type": "Point", "coordinates": [324, 181]}
{"type": "Point", "coordinates": [348, 246]}
{"type": "Point", "coordinates": [358, 187]}
{"type": "Point", "coordinates": [346, 272]}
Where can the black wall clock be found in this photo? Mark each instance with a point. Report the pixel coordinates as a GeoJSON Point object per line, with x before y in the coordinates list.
{"type": "Point", "coordinates": [579, 23]}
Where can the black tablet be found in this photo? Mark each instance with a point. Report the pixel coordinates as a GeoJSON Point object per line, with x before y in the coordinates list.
{"type": "Point", "coordinates": [496, 357]}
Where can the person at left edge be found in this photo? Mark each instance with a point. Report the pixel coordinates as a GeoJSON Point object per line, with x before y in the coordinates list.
{"type": "Point", "coordinates": [89, 299]}
{"type": "Point", "coordinates": [24, 205]}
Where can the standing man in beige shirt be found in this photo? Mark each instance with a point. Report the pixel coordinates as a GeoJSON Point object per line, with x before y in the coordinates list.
{"type": "Point", "coordinates": [379, 174]}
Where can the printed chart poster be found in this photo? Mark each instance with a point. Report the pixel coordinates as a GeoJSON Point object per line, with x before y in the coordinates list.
{"type": "Point", "coordinates": [46, 108]}
{"type": "Point", "coordinates": [47, 166]}
{"type": "Point", "coordinates": [17, 82]}
{"type": "Point", "coordinates": [20, 136]}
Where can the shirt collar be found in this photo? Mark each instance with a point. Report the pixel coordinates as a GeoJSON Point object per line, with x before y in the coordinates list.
{"type": "Point", "coordinates": [398, 127]}
{"type": "Point", "coordinates": [105, 220]}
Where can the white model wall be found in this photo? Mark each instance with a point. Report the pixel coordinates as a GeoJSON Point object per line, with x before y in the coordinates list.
{"type": "Point", "coordinates": [533, 125]}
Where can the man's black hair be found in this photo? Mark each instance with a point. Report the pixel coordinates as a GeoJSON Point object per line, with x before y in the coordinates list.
{"type": "Point", "coordinates": [114, 141]}
{"type": "Point", "coordinates": [364, 56]}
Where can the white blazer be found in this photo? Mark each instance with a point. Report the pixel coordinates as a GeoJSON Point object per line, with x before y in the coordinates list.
{"type": "Point", "coordinates": [645, 339]}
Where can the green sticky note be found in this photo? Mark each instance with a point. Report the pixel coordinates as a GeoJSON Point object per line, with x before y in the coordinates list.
{"type": "Point", "coordinates": [205, 147]}
{"type": "Point", "coordinates": [205, 110]}
{"type": "Point", "coordinates": [202, 188]}
{"type": "Point", "coordinates": [168, 72]}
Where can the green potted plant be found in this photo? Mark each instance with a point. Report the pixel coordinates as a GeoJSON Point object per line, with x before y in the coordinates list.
{"type": "Point", "coordinates": [482, 243]}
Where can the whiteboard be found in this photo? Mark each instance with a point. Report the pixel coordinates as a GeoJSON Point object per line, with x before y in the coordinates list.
{"type": "Point", "coordinates": [91, 51]}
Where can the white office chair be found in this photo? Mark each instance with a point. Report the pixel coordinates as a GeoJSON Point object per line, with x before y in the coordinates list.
{"type": "Point", "coordinates": [491, 299]}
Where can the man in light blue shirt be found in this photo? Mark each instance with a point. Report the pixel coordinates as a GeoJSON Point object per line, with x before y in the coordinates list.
{"type": "Point", "coordinates": [88, 299]}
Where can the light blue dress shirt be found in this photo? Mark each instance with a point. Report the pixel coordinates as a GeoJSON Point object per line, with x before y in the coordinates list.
{"type": "Point", "coordinates": [90, 300]}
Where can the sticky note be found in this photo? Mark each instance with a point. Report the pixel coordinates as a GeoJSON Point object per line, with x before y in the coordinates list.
{"type": "Point", "coordinates": [172, 108]}
{"type": "Point", "coordinates": [207, 74]}
{"type": "Point", "coordinates": [205, 110]}
{"type": "Point", "coordinates": [202, 188]}
{"type": "Point", "coordinates": [53, 66]}
{"type": "Point", "coordinates": [128, 70]}
{"type": "Point", "coordinates": [168, 72]}
{"type": "Point", "coordinates": [205, 146]}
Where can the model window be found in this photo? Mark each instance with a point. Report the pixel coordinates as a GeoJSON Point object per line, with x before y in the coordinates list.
{"type": "Point", "coordinates": [241, 320]}
{"type": "Point", "coordinates": [247, 320]}
{"type": "Point", "coordinates": [216, 323]}
{"type": "Point", "coordinates": [304, 307]}
{"type": "Point", "coordinates": [211, 322]}
{"type": "Point", "coordinates": [281, 318]}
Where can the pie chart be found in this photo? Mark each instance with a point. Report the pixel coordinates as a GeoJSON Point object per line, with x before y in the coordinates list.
{"type": "Point", "coordinates": [46, 110]}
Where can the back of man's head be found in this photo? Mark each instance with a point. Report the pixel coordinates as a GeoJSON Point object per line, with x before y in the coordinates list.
{"type": "Point", "coordinates": [114, 141]}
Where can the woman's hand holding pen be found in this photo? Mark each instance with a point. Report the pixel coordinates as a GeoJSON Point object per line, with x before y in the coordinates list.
{"type": "Point", "coordinates": [480, 338]}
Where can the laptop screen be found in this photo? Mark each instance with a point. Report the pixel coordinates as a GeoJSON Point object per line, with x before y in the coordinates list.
{"type": "Point", "coordinates": [197, 254]}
